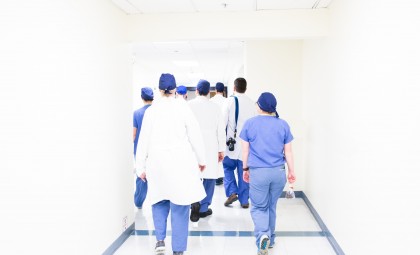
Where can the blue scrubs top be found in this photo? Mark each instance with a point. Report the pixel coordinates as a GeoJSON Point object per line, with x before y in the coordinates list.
{"type": "Point", "coordinates": [267, 136]}
{"type": "Point", "coordinates": [137, 120]}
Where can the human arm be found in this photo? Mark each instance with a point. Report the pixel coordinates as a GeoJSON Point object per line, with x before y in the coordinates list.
{"type": "Point", "coordinates": [195, 137]}
{"type": "Point", "coordinates": [143, 146]}
{"type": "Point", "coordinates": [245, 153]}
{"type": "Point", "coordinates": [291, 177]}
{"type": "Point", "coordinates": [221, 137]}
{"type": "Point", "coordinates": [134, 133]}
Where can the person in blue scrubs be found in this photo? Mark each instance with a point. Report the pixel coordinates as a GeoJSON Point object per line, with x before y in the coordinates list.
{"type": "Point", "coordinates": [141, 186]}
{"type": "Point", "coordinates": [266, 148]}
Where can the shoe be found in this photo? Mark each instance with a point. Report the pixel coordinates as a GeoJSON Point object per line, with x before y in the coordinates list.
{"type": "Point", "coordinates": [178, 253]}
{"type": "Point", "coordinates": [271, 245]}
{"type": "Point", "coordinates": [245, 206]}
{"type": "Point", "coordinates": [160, 248]}
{"type": "Point", "coordinates": [219, 181]}
{"type": "Point", "coordinates": [232, 198]}
{"type": "Point", "coordinates": [205, 214]}
{"type": "Point", "coordinates": [195, 212]}
{"type": "Point", "coordinates": [264, 244]}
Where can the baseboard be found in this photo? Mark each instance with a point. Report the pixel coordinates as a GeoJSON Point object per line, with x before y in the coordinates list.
{"type": "Point", "coordinates": [120, 240]}
{"type": "Point", "coordinates": [325, 230]}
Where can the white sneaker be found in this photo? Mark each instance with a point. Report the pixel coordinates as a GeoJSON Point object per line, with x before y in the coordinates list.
{"type": "Point", "coordinates": [264, 244]}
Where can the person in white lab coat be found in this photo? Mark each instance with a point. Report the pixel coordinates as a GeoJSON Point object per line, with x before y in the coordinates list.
{"type": "Point", "coordinates": [209, 116]}
{"type": "Point", "coordinates": [170, 132]}
{"type": "Point", "coordinates": [236, 189]}
{"type": "Point", "coordinates": [220, 100]}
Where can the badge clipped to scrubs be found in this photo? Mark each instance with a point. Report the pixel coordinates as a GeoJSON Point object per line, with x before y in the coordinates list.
{"type": "Point", "coordinates": [290, 193]}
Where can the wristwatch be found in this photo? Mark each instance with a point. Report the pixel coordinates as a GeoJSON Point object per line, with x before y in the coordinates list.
{"type": "Point", "coordinates": [245, 169]}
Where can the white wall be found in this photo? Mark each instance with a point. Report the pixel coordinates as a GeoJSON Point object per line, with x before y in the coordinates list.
{"type": "Point", "coordinates": [361, 90]}
{"type": "Point", "coordinates": [276, 66]}
{"type": "Point", "coordinates": [65, 136]}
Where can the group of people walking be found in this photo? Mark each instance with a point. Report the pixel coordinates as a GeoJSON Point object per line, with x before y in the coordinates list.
{"type": "Point", "coordinates": [181, 148]}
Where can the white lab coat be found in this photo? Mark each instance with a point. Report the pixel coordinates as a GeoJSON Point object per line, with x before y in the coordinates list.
{"type": "Point", "coordinates": [211, 122]}
{"type": "Point", "coordinates": [220, 101]}
{"type": "Point", "coordinates": [247, 109]}
{"type": "Point", "coordinates": [169, 150]}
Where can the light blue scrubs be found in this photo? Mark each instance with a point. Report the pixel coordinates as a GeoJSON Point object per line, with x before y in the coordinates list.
{"type": "Point", "coordinates": [179, 223]}
{"type": "Point", "coordinates": [267, 136]}
{"type": "Point", "coordinates": [265, 189]}
{"type": "Point", "coordinates": [209, 185]}
{"type": "Point", "coordinates": [141, 186]}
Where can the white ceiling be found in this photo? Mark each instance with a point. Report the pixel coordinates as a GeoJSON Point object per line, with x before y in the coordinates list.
{"type": "Point", "coordinates": [189, 61]}
{"type": "Point", "coordinates": [177, 6]}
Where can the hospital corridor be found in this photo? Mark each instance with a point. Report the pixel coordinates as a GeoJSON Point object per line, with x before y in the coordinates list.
{"type": "Point", "coordinates": [323, 94]}
{"type": "Point", "coordinates": [230, 231]}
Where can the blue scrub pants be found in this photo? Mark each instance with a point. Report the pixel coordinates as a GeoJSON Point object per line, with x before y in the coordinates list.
{"type": "Point", "coordinates": [231, 185]}
{"type": "Point", "coordinates": [140, 193]}
{"type": "Point", "coordinates": [209, 185]}
{"type": "Point", "coordinates": [266, 186]}
{"type": "Point", "coordinates": [179, 223]}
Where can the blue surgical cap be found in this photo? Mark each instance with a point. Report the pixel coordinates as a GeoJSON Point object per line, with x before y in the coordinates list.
{"type": "Point", "coordinates": [267, 102]}
{"type": "Point", "coordinates": [147, 94]}
{"type": "Point", "coordinates": [182, 90]}
{"type": "Point", "coordinates": [203, 87]}
{"type": "Point", "coordinates": [167, 82]}
{"type": "Point", "coordinates": [220, 87]}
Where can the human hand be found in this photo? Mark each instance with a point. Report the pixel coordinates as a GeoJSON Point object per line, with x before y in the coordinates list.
{"type": "Point", "coordinates": [143, 176]}
{"type": "Point", "coordinates": [221, 156]}
{"type": "Point", "coordinates": [246, 176]}
{"type": "Point", "coordinates": [202, 167]}
{"type": "Point", "coordinates": [291, 177]}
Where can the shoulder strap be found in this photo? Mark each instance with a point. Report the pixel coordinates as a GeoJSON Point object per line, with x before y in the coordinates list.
{"type": "Point", "coordinates": [236, 114]}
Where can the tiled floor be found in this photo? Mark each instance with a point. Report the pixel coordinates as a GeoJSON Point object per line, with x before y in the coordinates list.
{"type": "Point", "coordinates": [229, 231]}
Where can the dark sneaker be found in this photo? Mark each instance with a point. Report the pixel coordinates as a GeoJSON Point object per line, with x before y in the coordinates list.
{"type": "Point", "coordinates": [245, 206]}
{"type": "Point", "coordinates": [219, 181]}
{"type": "Point", "coordinates": [195, 212]}
{"type": "Point", "coordinates": [231, 199]}
{"type": "Point", "coordinates": [160, 248]}
{"type": "Point", "coordinates": [205, 214]}
{"type": "Point", "coordinates": [178, 253]}
{"type": "Point", "coordinates": [264, 244]}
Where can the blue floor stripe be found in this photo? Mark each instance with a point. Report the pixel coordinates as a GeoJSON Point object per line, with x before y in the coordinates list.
{"type": "Point", "coordinates": [299, 194]}
{"type": "Point", "coordinates": [235, 233]}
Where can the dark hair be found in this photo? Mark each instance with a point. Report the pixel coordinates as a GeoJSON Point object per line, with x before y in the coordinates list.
{"type": "Point", "coordinates": [147, 100]}
{"type": "Point", "coordinates": [202, 94]}
{"type": "Point", "coordinates": [240, 85]}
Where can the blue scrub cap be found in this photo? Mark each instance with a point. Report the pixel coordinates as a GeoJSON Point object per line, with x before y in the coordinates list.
{"type": "Point", "coordinates": [267, 102]}
{"type": "Point", "coordinates": [182, 90]}
{"type": "Point", "coordinates": [220, 87]}
{"type": "Point", "coordinates": [203, 87]}
{"type": "Point", "coordinates": [147, 94]}
{"type": "Point", "coordinates": [167, 83]}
